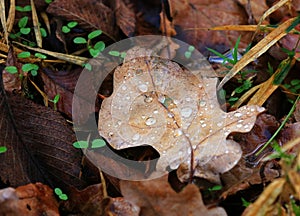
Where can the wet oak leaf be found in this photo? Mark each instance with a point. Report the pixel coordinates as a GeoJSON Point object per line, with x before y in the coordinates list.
{"type": "Point", "coordinates": [156, 197]}
{"type": "Point", "coordinates": [155, 102]}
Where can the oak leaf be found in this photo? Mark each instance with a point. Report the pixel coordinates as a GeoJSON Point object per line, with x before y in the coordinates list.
{"type": "Point", "coordinates": [176, 111]}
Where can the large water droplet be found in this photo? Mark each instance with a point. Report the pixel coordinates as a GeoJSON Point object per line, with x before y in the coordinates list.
{"type": "Point", "coordinates": [150, 121]}
{"type": "Point", "coordinates": [148, 99]}
{"type": "Point", "coordinates": [143, 87]}
{"type": "Point", "coordinates": [123, 87]}
{"type": "Point", "coordinates": [177, 132]}
{"type": "Point", "coordinates": [136, 137]}
{"type": "Point", "coordinates": [174, 165]}
{"type": "Point", "coordinates": [186, 112]}
{"type": "Point", "coordinates": [202, 103]}
{"type": "Point", "coordinates": [239, 125]}
{"type": "Point", "coordinates": [155, 111]}
{"type": "Point", "coordinates": [238, 114]}
{"type": "Point", "coordinates": [161, 98]}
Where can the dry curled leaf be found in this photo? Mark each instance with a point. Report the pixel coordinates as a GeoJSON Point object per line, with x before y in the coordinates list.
{"type": "Point", "coordinates": [155, 102]}
{"type": "Point", "coordinates": [156, 197]}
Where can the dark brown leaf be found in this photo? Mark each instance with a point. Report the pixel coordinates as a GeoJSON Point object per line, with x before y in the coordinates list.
{"type": "Point", "coordinates": [84, 202]}
{"type": "Point", "coordinates": [39, 143]}
{"type": "Point", "coordinates": [90, 15]}
{"type": "Point", "coordinates": [125, 17]}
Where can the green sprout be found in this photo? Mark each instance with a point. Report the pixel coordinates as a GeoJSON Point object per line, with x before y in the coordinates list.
{"type": "Point", "coordinates": [26, 8]}
{"type": "Point", "coordinates": [22, 25]}
{"type": "Point", "coordinates": [117, 53]}
{"type": "Point", "coordinates": [60, 194]}
{"type": "Point", "coordinates": [83, 144]}
{"type": "Point", "coordinates": [245, 202]}
{"type": "Point", "coordinates": [3, 149]}
{"type": "Point", "coordinates": [95, 49]}
{"type": "Point", "coordinates": [189, 52]}
{"type": "Point", "coordinates": [55, 101]}
{"type": "Point", "coordinates": [11, 69]}
{"type": "Point", "coordinates": [67, 28]}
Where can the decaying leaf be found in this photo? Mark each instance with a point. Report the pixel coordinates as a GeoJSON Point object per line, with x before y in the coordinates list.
{"type": "Point", "coordinates": [31, 200]}
{"type": "Point", "coordinates": [156, 197]}
{"type": "Point", "coordinates": [155, 102]}
{"type": "Point", "coordinates": [89, 14]}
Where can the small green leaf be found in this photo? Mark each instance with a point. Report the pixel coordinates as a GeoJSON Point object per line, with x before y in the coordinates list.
{"type": "Point", "coordinates": [23, 22]}
{"type": "Point", "coordinates": [98, 143]}
{"type": "Point", "coordinates": [26, 8]}
{"type": "Point", "coordinates": [94, 34]}
{"type": "Point", "coordinates": [123, 54]}
{"type": "Point", "coordinates": [32, 44]}
{"type": "Point", "coordinates": [63, 197]}
{"type": "Point", "coordinates": [80, 40]}
{"type": "Point", "coordinates": [29, 66]}
{"type": "Point", "coordinates": [65, 29]}
{"type": "Point", "coordinates": [100, 45]}
{"type": "Point", "coordinates": [81, 144]}
{"type": "Point", "coordinates": [94, 52]}
{"type": "Point", "coordinates": [72, 24]}
{"type": "Point", "coordinates": [235, 50]}
{"type": "Point", "coordinates": [88, 66]}
{"type": "Point", "coordinates": [48, 1]}
{"type": "Point", "coordinates": [11, 69]}
{"type": "Point", "coordinates": [25, 31]}
{"type": "Point", "coordinates": [114, 53]}
{"type": "Point", "coordinates": [295, 82]}
{"type": "Point", "coordinates": [23, 55]}
{"type": "Point", "coordinates": [40, 55]}
{"type": "Point", "coordinates": [245, 202]}
{"type": "Point", "coordinates": [191, 48]}
{"type": "Point", "coordinates": [43, 32]}
{"type": "Point", "coordinates": [188, 54]}
{"type": "Point", "coordinates": [215, 188]}
{"type": "Point", "coordinates": [33, 72]}
{"type": "Point", "coordinates": [58, 191]}
{"type": "Point", "coordinates": [56, 98]}
{"type": "Point", "coordinates": [3, 149]}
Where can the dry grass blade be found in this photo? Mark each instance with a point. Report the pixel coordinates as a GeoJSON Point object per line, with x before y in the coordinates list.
{"type": "Point", "coordinates": [258, 50]}
{"type": "Point", "coordinates": [266, 88]}
{"type": "Point", "coordinates": [36, 26]}
{"type": "Point", "coordinates": [270, 11]}
{"type": "Point", "coordinates": [69, 58]}
{"type": "Point", "coordinates": [3, 19]}
{"type": "Point", "coordinates": [11, 15]}
{"type": "Point", "coordinates": [266, 199]}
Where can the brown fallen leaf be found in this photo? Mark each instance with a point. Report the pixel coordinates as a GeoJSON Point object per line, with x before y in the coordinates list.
{"type": "Point", "coordinates": [91, 201]}
{"type": "Point", "coordinates": [90, 15]}
{"type": "Point", "coordinates": [125, 17]}
{"type": "Point", "coordinates": [39, 143]}
{"type": "Point", "coordinates": [156, 197]}
{"type": "Point", "coordinates": [175, 111]}
{"type": "Point", "coordinates": [32, 199]}
{"type": "Point", "coordinates": [192, 18]}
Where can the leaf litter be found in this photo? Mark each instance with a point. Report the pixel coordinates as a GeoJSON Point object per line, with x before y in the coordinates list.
{"type": "Point", "coordinates": [180, 22]}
